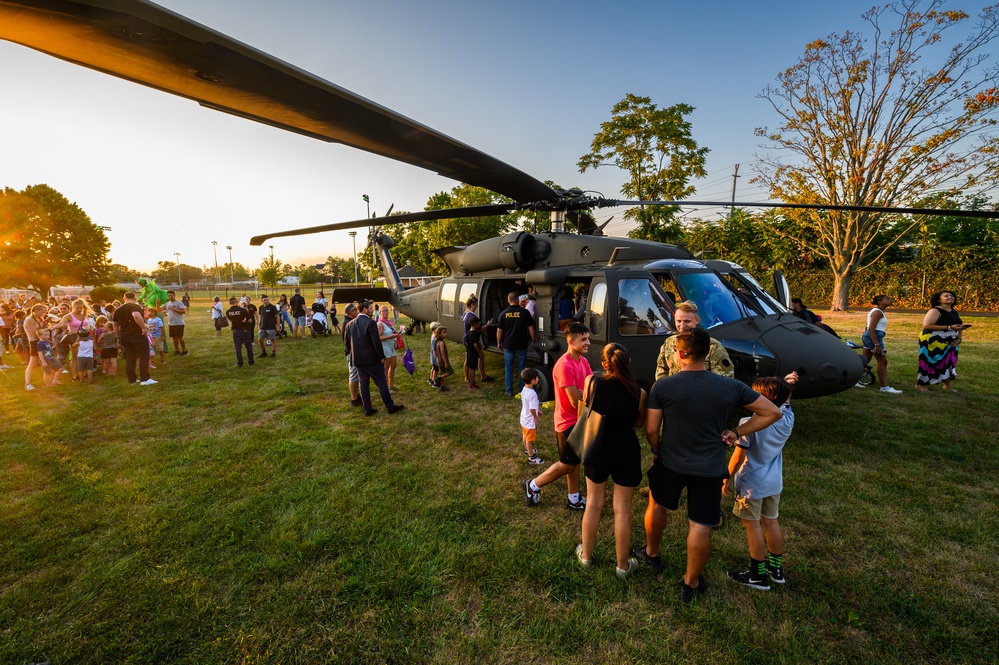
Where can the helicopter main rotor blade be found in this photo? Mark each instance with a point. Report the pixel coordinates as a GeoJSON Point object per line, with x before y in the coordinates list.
{"type": "Point", "coordinates": [939, 212]}
{"type": "Point", "coordinates": [147, 44]}
{"type": "Point", "coordinates": [407, 218]}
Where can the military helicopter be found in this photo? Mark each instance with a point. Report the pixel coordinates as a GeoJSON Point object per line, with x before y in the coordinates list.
{"type": "Point", "coordinates": [632, 286]}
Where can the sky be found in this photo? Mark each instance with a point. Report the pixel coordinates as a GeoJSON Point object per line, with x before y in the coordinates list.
{"type": "Point", "coordinates": [526, 82]}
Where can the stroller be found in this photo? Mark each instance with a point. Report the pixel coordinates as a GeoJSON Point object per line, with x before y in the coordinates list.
{"type": "Point", "coordinates": [320, 323]}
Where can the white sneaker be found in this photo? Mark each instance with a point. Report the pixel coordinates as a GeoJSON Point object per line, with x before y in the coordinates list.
{"type": "Point", "coordinates": [28, 386]}
{"type": "Point", "coordinates": [148, 382]}
{"type": "Point", "coordinates": [2, 366]}
{"type": "Point", "coordinates": [856, 385]}
{"type": "Point", "coordinates": [891, 391]}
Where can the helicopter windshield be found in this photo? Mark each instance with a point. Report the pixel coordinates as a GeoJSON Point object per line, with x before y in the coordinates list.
{"type": "Point", "coordinates": [768, 302]}
{"type": "Point", "coordinates": [716, 303]}
{"type": "Point", "coordinates": [642, 308]}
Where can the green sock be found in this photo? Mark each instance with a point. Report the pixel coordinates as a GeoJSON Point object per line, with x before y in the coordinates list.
{"type": "Point", "coordinates": [774, 560]}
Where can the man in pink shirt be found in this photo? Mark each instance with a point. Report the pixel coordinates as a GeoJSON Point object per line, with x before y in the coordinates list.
{"type": "Point", "coordinates": [569, 376]}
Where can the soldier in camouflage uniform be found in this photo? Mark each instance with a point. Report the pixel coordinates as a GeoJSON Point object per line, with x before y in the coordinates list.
{"type": "Point", "coordinates": [686, 318]}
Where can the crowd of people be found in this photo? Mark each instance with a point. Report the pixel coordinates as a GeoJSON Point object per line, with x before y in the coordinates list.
{"type": "Point", "coordinates": [685, 414]}
{"type": "Point", "coordinates": [80, 338]}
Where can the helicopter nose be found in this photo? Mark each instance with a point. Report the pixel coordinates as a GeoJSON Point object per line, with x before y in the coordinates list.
{"type": "Point", "coordinates": [824, 363]}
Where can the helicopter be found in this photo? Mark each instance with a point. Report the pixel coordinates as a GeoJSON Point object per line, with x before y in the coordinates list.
{"type": "Point", "coordinates": [632, 286]}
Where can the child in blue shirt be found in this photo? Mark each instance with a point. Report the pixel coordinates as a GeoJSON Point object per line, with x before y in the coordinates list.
{"type": "Point", "coordinates": [756, 473]}
{"type": "Point", "coordinates": [47, 356]}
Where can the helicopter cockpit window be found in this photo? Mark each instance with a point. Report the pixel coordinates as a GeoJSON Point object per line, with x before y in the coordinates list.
{"type": "Point", "coordinates": [716, 302]}
{"type": "Point", "coordinates": [641, 308]}
{"type": "Point", "coordinates": [447, 298]}
{"type": "Point", "coordinates": [467, 291]}
{"type": "Point", "coordinates": [598, 306]}
{"type": "Point", "coordinates": [767, 301]}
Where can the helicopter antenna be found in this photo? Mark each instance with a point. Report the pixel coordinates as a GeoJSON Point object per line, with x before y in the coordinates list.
{"type": "Point", "coordinates": [613, 256]}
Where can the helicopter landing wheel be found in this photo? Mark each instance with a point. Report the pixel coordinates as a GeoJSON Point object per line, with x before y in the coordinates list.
{"type": "Point", "coordinates": [866, 377]}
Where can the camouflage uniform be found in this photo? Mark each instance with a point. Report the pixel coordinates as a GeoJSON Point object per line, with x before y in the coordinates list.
{"type": "Point", "coordinates": [717, 360]}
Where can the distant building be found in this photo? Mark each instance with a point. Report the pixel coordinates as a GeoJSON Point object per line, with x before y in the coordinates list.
{"type": "Point", "coordinates": [410, 277]}
{"type": "Point", "coordinates": [289, 280]}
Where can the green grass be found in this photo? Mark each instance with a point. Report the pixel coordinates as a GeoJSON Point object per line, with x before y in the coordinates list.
{"type": "Point", "coordinates": [244, 516]}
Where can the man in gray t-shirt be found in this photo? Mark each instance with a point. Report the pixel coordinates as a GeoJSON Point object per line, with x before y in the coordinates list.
{"type": "Point", "coordinates": [176, 310]}
{"type": "Point", "coordinates": [686, 431]}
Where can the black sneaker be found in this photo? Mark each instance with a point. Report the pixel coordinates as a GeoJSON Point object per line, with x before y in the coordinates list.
{"type": "Point", "coordinates": [533, 498]}
{"type": "Point", "coordinates": [396, 408]}
{"type": "Point", "coordinates": [356, 402]}
{"type": "Point", "coordinates": [579, 505]}
{"type": "Point", "coordinates": [776, 574]}
{"type": "Point", "coordinates": [689, 593]}
{"type": "Point", "coordinates": [370, 412]}
{"type": "Point", "coordinates": [749, 578]}
{"type": "Point", "coordinates": [654, 563]}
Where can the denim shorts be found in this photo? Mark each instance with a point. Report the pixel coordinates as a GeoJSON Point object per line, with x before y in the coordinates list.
{"type": "Point", "coordinates": [869, 343]}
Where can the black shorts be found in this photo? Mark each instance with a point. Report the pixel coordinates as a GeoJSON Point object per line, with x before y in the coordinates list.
{"type": "Point", "coordinates": [565, 453]}
{"type": "Point", "coordinates": [108, 353]}
{"type": "Point", "coordinates": [703, 494]}
{"type": "Point", "coordinates": [472, 359]}
{"type": "Point", "coordinates": [176, 331]}
{"type": "Point", "coordinates": [622, 463]}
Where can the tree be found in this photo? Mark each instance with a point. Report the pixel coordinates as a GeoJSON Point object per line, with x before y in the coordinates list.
{"type": "Point", "coordinates": [657, 150]}
{"type": "Point", "coordinates": [420, 239]}
{"type": "Point", "coordinates": [166, 273]}
{"type": "Point", "coordinates": [46, 240]}
{"type": "Point", "coordinates": [872, 124]}
{"type": "Point", "coordinates": [340, 270]}
{"type": "Point", "coordinates": [119, 274]}
{"type": "Point", "coordinates": [270, 271]}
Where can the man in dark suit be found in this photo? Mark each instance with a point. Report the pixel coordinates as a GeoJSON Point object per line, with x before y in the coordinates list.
{"type": "Point", "coordinates": [365, 348]}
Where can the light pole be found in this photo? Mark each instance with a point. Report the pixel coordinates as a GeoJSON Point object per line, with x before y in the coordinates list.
{"type": "Point", "coordinates": [353, 237]}
{"type": "Point", "coordinates": [232, 277]}
{"type": "Point", "coordinates": [367, 202]}
{"type": "Point", "coordinates": [180, 282]}
{"type": "Point", "coordinates": [218, 277]}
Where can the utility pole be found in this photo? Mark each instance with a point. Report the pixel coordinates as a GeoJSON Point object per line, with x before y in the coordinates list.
{"type": "Point", "coordinates": [735, 176]}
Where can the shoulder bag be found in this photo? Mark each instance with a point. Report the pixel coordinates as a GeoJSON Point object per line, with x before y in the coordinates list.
{"type": "Point", "coordinates": [589, 428]}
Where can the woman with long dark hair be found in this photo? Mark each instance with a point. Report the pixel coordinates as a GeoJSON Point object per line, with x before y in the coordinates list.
{"type": "Point", "coordinates": [939, 342]}
{"type": "Point", "coordinates": [622, 403]}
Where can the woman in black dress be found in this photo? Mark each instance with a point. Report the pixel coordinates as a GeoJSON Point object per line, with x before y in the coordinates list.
{"type": "Point", "coordinates": [619, 399]}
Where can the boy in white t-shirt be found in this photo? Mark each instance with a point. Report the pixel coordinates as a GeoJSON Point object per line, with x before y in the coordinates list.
{"type": "Point", "coordinates": [83, 355]}
{"type": "Point", "coordinates": [530, 413]}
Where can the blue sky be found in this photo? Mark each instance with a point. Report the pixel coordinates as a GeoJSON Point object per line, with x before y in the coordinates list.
{"type": "Point", "coordinates": [528, 83]}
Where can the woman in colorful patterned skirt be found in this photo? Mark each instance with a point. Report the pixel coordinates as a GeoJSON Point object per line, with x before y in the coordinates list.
{"type": "Point", "coordinates": [939, 341]}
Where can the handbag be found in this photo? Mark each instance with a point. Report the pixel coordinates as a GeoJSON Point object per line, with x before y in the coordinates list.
{"type": "Point", "coordinates": [400, 343]}
{"type": "Point", "coordinates": [224, 323]}
{"type": "Point", "coordinates": [588, 429]}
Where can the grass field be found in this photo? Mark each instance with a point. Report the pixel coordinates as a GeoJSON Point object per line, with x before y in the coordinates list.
{"type": "Point", "coordinates": [253, 516]}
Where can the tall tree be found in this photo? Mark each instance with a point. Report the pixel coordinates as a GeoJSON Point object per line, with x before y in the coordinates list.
{"type": "Point", "coordinates": [882, 123]}
{"type": "Point", "coordinates": [656, 148]}
{"type": "Point", "coordinates": [46, 240]}
{"type": "Point", "coordinates": [270, 271]}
